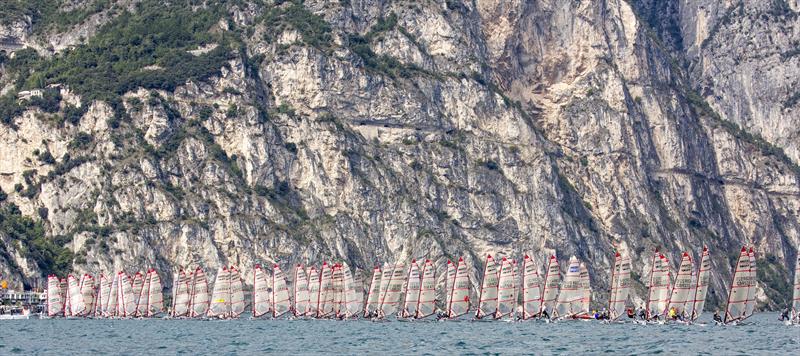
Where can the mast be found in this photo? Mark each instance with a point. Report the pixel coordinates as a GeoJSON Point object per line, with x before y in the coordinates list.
{"type": "Point", "coordinates": [650, 286]}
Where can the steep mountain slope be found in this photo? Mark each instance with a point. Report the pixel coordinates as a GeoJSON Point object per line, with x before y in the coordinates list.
{"type": "Point", "coordinates": [372, 131]}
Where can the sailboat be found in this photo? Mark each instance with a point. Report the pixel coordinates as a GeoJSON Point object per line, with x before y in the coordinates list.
{"type": "Point", "coordinates": [313, 292]}
{"type": "Point", "coordinates": [487, 299]}
{"type": "Point", "coordinates": [620, 286]}
{"type": "Point", "coordinates": [237, 306]}
{"type": "Point", "coordinates": [180, 295]}
{"type": "Point", "coordinates": [450, 279]}
{"type": "Point", "coordinates": [389, 302]}
{"type": "Point", "coordinates": [358, 286]}
{"type": "Point", "coordinates": [220, 306]}
{"type": "Point", "coordinates": [531, 289]}
{"type": "Point", "coordinates": [338, 291]}
{"type": "Point", "coordinates": [426, 303]}
{"type": "Point", "coordinates": [796, 295]}
{"type": "Point", "coordinates": [261, 292]}
{"type": "Point", "coordinates": [750, 305]}
{"type": "Point", "coordinates": [552, 280]}
{"type": "Point", "coordinates": [55, 300]}
{"type": "Point", "coordinates": [155, 298]}
{"type": "Point", "coordinates": [87, 291]}
{"type": "Point", "coordinates": [585, 294]}
{"type": "Point", "coordinates": [280, 293]}
{"type": "Point", "coordinates": [126, 305]}
{"type": "Point", "coordinates": [701, 288]}
{"type": "Point", "coordinates": [103, 296]}
{"type": "Point", "coordinates": [137, 283]}
{"type": "Point", "coordinates": [144, 294]}
{"type": "Point", "coordinates": [76, 304]}
{"type": "Point", "coordinates": [325, 302]}
{"type": "Point", "coordinates": [459, 292]}
{"type": "Point", "coordinates": [199, 303]}
{"type": "Point", "coordinates": [658, 291]}
{"type": "Point", "coordinates": [413, 286]}
{"type": "Point", "coordinates": [570, 294]}
{"type": "Point", "coordinates": [682, 290]}
{"type": "Point", "coordinates": [300, 292]}
{"type": "Point", "coordinates": [506, 291]}
{"type": "Point", "coordinates": [352, 294]}
{"type": "Point", "coordinates": [736, 309]}
{"type": "Point", "coordinates": [373, 298]}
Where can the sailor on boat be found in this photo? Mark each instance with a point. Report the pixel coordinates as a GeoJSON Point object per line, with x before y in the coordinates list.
{"type": "Point", "coordinates": [717, 318]}
{"type": "Point", "coordinates": [631, 314]}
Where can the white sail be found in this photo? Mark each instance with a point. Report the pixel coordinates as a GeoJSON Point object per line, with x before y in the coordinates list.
{"type": "Point", "coordinates": [750, 306]}
{"type": "Point", "coordinates": [426, 306]}
{"type": "Point", "coordinates": [280, 293]}
{"type": "Point", "coordinates": [449, 280]}
{"type": "Point", "coordinates": [413, 285]}
{"type": "Point", "coordinates": [390, 300]}
{"type": "Point", "coordinates": [459, 293]}
{"type": "Point", "coordinates": [76, 304]}
{"type": "Point", "coordinates": [221, 296]}
{"type": "Point", "coordinates": [180, 295]}
{"type": "Point", "coordinates": [620, 285]}
{"type": "Point", "coordinates": [261, 292]}
{"type": "Point", "coordinates": [103, 295]}
{"type": "Point", "coordinates": [658, 291]}
{"type": "Point", "coordinates": [64, 286]}
{"type": "Point", "coordinates": [155, 299]}
{"type": "Point", "coordinates": [680, 297]}
{"type": "Point", "coordinates": [325, 306]}
{"type": "Point", "coordinates": [300, 291]}
{"type": "Point", "coordinates": [740, 285]}
{"type": "Point", "coordinates": [111, 309]}
{"type": "Point", "coordinates": [796, 294]}
{"type": "Point", "coordinates": [351, 294]}
{"type": "Point", "coordinates": [531, 289]}
{"type": "Point", "coordinates": [586, 292]}
{"type": "Point", "coordinates": [313, 292]}
{"type": "Point", "coordinates": [701, 288]}
{"type": "Point", "coordinates": [506, 290]}
{"type": "Point", "coordinates": [373, 298]}
{"type": "Point", "coordinates": [337, 280]}
{"type": "Point", "coordinates": [127, 298]}
{"type": "Point", "coordinates": [144, 296]}
{"type": "Point", "coordinates": [199, 302]}
{"type": "Point", "coordinates": [137, 283]}
{"type": "Point", "coordinates": [487, 300]}
{"type": "Point", "coordinates": [237, 293]}
{"type": "Point", "coordinates": [358, 285]}
{"type": "Point", "coordinates": [552, 281]}
{"type": "Point", "coordinates": [55, 302]}
{"type": "Point", "coordinates": [570, 292]}
{"type": "Point", "coordinates": [88, 293]}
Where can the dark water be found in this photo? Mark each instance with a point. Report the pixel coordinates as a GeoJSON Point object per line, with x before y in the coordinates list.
{"type": "Point", "coordinates": [763, 335]}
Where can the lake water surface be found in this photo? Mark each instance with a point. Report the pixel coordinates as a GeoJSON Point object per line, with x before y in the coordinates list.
{"type": "Point", "coordinates": [763, 335]}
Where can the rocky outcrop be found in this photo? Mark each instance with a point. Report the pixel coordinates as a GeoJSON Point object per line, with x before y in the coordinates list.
{"type": "Point", "coordinates": [462, 128]}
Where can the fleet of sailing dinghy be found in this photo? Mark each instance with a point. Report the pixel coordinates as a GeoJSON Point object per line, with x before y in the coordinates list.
{"type": "Point", "coordinates": [410, 291]}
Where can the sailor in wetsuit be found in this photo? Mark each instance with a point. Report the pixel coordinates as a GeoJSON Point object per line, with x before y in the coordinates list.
{"type": "Point", "coordinates": [717, 318]}
{"type": "Point", "coordinates": [544, 314]}
{"type": "Point", "coordinates": [631, 314]}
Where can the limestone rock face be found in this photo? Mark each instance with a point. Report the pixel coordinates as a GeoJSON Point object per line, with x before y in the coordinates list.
{"type": "Point", "coordinates": [502, 127]}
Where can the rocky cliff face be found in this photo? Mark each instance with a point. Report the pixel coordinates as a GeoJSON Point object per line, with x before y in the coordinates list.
{"type": "Point", "coordinates": [399, 130]}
